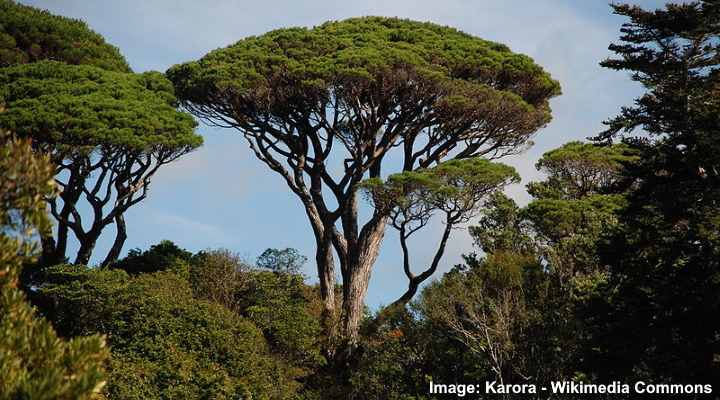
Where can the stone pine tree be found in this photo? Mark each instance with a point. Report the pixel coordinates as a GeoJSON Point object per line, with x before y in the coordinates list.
{"type": "Point", "coordinates": [329, 107]}
{"type": "Point", "coordinates": [106, 132]}
{"type": "Point", "coordinates": [455, 189]}
{"type": "Point", "coordinates": [662, 316]}
{"type": "Point", "coordinates": [577, 170]}
{"type": "Point", "coordinates": [570, 210]}
{"type": "Point", "coordinates": [35, 363]}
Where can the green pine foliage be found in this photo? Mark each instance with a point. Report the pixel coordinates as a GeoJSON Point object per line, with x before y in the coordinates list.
{"type": "Point", "coordinates": [35, 362]}
{"type": "Point", "coordinates": [610, 272]}
{"type": "Point", "coordinates": [367, 52]}
{"type": "Point", "coordinates": [28, 34]}
{"type": "Point", "coordinates": [363, 90]}
{"type": "Point", "coordinates": [78, 109]}
{"type": "Point", "coordinates": [106, 132]}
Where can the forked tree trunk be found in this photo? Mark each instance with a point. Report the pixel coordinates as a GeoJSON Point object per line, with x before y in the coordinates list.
{"type": "Point", "coordinates": [83, 255]}
{"type": "Point", "coordinates": [87, 245]}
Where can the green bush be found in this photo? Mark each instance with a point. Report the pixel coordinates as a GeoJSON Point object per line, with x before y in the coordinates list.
{"type": "Point", "coordinates": [160, 257]}
{"type": "Point", "coordinates": [165, 343]}
{"type": "Point", "coordinates": [278, 303]}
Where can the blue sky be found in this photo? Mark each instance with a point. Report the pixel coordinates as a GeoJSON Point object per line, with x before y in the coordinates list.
{"type": "Point", "coordinates": [220, 196]}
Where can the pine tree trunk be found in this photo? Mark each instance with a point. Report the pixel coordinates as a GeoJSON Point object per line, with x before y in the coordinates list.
{"type": "Point", "coordinates": [119, 242]}
{"type": "Point", "coordinates": [356, 281]}
{"type": "Point", "coordinates": [326, 274]}
{"type": "Point", "coordinates": [87, 245]}
{"type": "Point", "coordinates": [354, 290]}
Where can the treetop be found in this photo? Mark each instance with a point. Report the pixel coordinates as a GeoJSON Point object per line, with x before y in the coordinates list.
{"type": "Point", "coordinates": [610, 156]}
{"type": "Point", "coordinates": [578, 169]}
{"type": "Point", "coordinates": [63, 104]}
{"type": "Point", "coordinates": [28, 34]}
{"type": "Point", "coordinates": [300, 66]}
{"type": "Point", "coordinates": [450, 181]}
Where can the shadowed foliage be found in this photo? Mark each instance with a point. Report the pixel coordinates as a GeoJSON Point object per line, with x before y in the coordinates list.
{"type": "Point", "coordinates": [665, 257]}
{"type": "Point", "coordinates": [159, 257]}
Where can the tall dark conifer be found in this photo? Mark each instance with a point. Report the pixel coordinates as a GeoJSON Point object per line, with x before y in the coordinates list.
{"type": "Point", "coordinates": [663, 320]}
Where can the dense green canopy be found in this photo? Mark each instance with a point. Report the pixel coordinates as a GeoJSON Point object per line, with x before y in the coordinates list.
{"type": "Point", "coordinates": [361, 49]}
{"type": "Point", "coordinates": [56, 103]}
{"type": "Point", "coordinates": [28, 34]}
{"type": "Point", "coordinates": [165, 343]}
{"type": "Point", "coordinates": [557, 218]}
{"type": "Point", "coordinates": [387, 62]}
